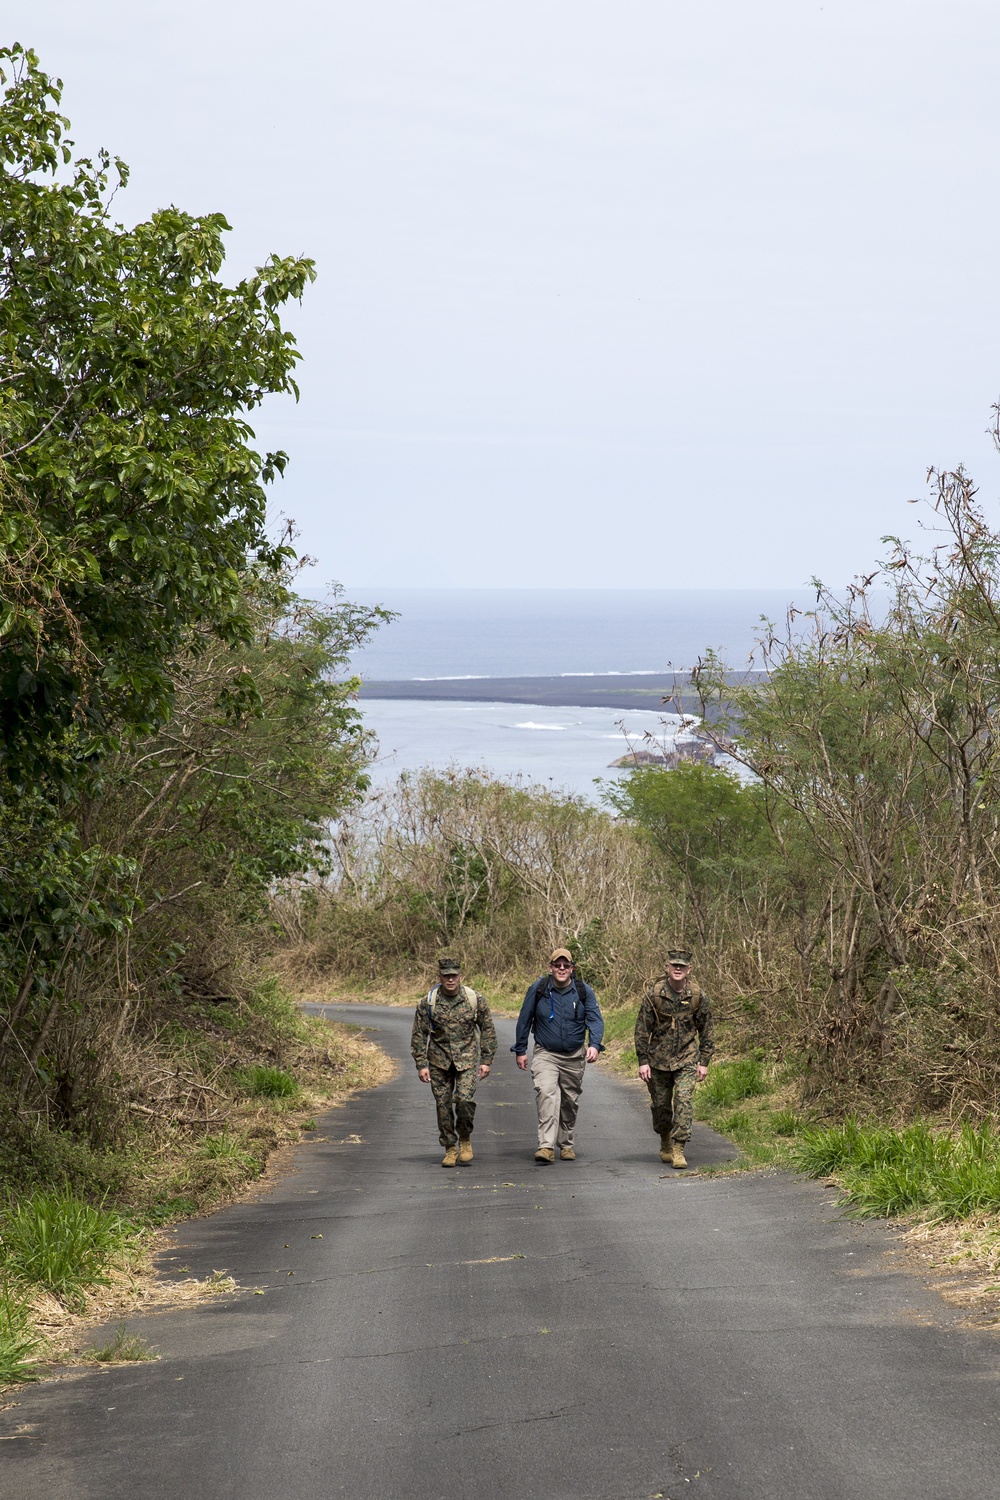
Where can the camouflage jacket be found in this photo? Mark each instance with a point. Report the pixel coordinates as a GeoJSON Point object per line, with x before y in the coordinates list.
{"type": "Point", "coordinates": [674, 1030]}
{"type": "Point", "coordinates": [459, 1029]}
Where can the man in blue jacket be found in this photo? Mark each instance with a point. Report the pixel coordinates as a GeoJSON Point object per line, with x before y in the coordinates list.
{"type": "Point", "coordinates": [564, 1014]}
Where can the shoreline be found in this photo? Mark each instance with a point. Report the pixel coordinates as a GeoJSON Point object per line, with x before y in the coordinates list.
{"type": "Point", "coordinates": [667, 691]}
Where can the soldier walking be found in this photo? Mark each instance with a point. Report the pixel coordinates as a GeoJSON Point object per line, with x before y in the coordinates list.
{"type": "Point", "coordinates": [564, 1014]}
{"type": "Point", "coordinates": [453, 1044]}
{"type": "Point", "coordinates": [674, 1042]}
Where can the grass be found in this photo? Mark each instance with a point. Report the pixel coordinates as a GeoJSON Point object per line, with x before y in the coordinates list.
{"type": "Point", "coordinates": [729, 1083]}
{"type": "Point", "coordinates": [19, 1340]}
{"type": "Point", "coordinates": [264, 1082]}
{"type": "Point", "coordinates": [54, 1240]}
{"type": "Point", "coordinates": [917, 1170]}
{"type": "Point", "coordinates": [124, 1348]}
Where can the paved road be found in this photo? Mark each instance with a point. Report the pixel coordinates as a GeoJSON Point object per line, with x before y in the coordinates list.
{"type": "Point", "coordinates": [594, 1329]}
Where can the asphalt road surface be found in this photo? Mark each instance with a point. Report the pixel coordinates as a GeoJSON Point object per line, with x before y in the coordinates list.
{"type": "Point", "coordinates": [603, 1328]}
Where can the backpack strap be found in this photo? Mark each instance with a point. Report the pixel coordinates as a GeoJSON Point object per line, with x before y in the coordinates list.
{"type": "Point", "coordinates": [468, 995]}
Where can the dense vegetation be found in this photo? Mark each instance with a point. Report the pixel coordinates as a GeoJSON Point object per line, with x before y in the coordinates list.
{"type": "Point", "coordinates": [176, 725]}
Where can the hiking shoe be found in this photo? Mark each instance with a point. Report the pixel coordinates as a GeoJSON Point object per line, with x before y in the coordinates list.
{"type": "Point", "coordinates": [545, 1155]}
{"type": "Point", "coordinates": [666, 1150]}
{"type": "Point", "coordinates": [464, 1152]}
{"type": "Point", "coordinates": [450, 1157]}
{"type": "Point", "coordinates": [678, 1158]}
{"type": "Point", "coordinates": [568, 1154]}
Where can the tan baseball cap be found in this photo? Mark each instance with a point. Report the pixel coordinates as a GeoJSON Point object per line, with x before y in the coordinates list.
{"type": "Point", "coordinates": [560, 953]}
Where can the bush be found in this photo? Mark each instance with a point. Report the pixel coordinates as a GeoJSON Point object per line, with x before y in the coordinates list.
{"type": "Point", "coordinates": [54, 1240]}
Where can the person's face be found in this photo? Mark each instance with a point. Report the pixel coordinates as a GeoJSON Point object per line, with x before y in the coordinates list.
{"type": "Point", "coordinates": [677, 975]}
{"type": "Point", "coordinates": [450, 983]}
{"type": "Point", "coordinates": [561, 970]}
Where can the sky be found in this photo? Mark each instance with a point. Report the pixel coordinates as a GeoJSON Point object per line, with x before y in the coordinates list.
{"type": "Point", "coordinates": [631, 294]}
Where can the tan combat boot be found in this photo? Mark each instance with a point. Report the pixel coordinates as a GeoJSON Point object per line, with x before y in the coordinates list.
{"type": "Point", "coordinates": [464, 1152]}
{"type": "Point", "coordinates": [450, 1157]}
{"type": "Point", "coordinates": [679, 1159]}
{"type": "Point", "coordinates": [666, 1150]}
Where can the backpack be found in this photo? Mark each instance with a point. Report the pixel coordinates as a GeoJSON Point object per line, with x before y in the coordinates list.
{"type": "Point", "coordinates": [468, 995]}
{"type": "Point", "coordinates": [697, 994]}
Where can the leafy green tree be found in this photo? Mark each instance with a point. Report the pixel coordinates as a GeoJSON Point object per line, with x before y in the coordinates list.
{"type": "Point", "coordinates": [126, 372]}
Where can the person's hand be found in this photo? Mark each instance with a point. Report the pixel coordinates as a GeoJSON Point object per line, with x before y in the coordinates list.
{"type": "Point", "coordinates": [702, 1073]}
{"type": "Point", "coordinates": [522, 1062]}
{"type": "Point", "coordinates": [484, 1070]}
{"type": "Point", "coordinates": [424, 1074]}
{"type": "Point", "coordinates": [645, 1072]}
{"type": "Point", "coordinates": [592, 1054]}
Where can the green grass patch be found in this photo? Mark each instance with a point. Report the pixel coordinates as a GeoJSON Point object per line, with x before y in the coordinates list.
{"type": "Point", "coordinates": [916, 1170]}
{"type": "Point", "coordinates": [19, 1340]}
{"type": "Point", "coordinates": [729, 1083]}
{"type": "Point", "coordinates": [57, 1241]}
{"type": "Point", "coordinates": [263, 1082]}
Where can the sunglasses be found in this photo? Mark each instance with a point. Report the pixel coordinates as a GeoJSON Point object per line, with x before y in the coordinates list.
{"type": "Point", "coordinates": [560, 963]}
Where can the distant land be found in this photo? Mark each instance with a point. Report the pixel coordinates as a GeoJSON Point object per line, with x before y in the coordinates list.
{"type": "Point", "coordinates": [668, 691]}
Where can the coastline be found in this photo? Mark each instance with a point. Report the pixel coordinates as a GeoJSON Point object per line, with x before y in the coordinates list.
{"type": "Point", "coordinates": [669, 691]}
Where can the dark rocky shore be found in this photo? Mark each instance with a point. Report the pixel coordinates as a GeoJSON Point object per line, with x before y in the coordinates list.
{"type": "Point", "coordinates": [667, 691]}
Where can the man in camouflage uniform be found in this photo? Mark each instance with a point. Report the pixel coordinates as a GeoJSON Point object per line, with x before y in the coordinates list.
{"type": "Point", "coordinates": [674, 1042]}
{"type": "Point", "coordinates": [453, 1045]}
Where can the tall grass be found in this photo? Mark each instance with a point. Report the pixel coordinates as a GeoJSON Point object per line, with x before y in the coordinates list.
{"type": "Point", "coordinates": [269, 1083]}
{"type": "Point", "coordinates": [19, 1340]}
{"type": "Point", "coordinates": [54, 1240]}
{"type": "Point", "coordinates": [889, 1172]}
{"type": "Point", "coordinates": [730, 1083]}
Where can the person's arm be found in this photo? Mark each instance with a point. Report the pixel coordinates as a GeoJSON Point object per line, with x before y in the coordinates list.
{"type": "Point", "coordinates": [642, 1031]}
{"type": "Point", "coordinates": [706, 1033]}
{"type": "Point", "coordinates": [595, 1024]}
{"type": "Point", "coordinates": [487, 1036]}
{"type": "Point", "coordinates": [525, 1021]}
{"type": "Point", "coordinates": [419, 1038]}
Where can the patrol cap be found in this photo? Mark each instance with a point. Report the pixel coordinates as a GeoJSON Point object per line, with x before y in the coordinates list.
{"type": "Point", "coordinates": [560, 953]}
{"type": "Point", "coordinates": [449, 966]}
{"type": "Point", "coordinates": [679, 955]}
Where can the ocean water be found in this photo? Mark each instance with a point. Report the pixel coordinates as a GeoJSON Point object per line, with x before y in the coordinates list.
{"type": "Point", "coordinates": [564, 749]}
{"type": "Point", "coordinates": [465, 632]}
{"type": "Point", "coordinates": [455, 633]}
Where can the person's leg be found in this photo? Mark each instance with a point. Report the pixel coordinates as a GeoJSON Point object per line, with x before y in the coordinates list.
{"type": "Point", "coordinates": [443, 1087]}
{"type": "Point", "coordinates": [571, 1070]}
{"type": "Point", "coordinates": [465, 1102]}
{"type": "Point", "coordinates": [661, 1086]}
{"type": "Point", "coordinates": [545, 1077]}
{"type": "Point", "coordinates": [683, 1113]}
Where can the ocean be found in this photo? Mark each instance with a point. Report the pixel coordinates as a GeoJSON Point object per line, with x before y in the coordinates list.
{"type": "Point", "coordinates": [477, 634]}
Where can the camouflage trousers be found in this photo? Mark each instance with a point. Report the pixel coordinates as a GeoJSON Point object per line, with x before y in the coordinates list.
{"type": "Point", "coordinates": [670, 1095]}
{"type": "Point", "coordinates": [454, 1094]}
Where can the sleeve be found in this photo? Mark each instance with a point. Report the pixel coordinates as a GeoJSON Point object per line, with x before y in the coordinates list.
{"type": "Point", "coordinates": [487, 1031]}
{"type": "Point", "coordinates": [706, 1030]}
{"type": "Point", "coordinates": [643, 1029]}
{"type": "Point", "coordinates": [421, 1034]}
{"type": "Point", "coordinates": [525, 1021]}
{"type": "Point", "coordinates": [595, 1021]}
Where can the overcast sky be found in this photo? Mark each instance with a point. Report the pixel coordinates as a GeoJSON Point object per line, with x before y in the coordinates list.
{"type": "Point", "coordinates": [611, 292]}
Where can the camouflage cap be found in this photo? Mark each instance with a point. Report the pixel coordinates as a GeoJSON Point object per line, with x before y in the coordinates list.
{"type": "Point", "coordinates": [560, 953]}
{"type": "Point", "coordinates": [449, 966]}
{"type": "Point", "coordinates": [678, 955]}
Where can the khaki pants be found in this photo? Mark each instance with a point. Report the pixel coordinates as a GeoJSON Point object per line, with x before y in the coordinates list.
{"type": "Point", "coordinates": [558, 1080]}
